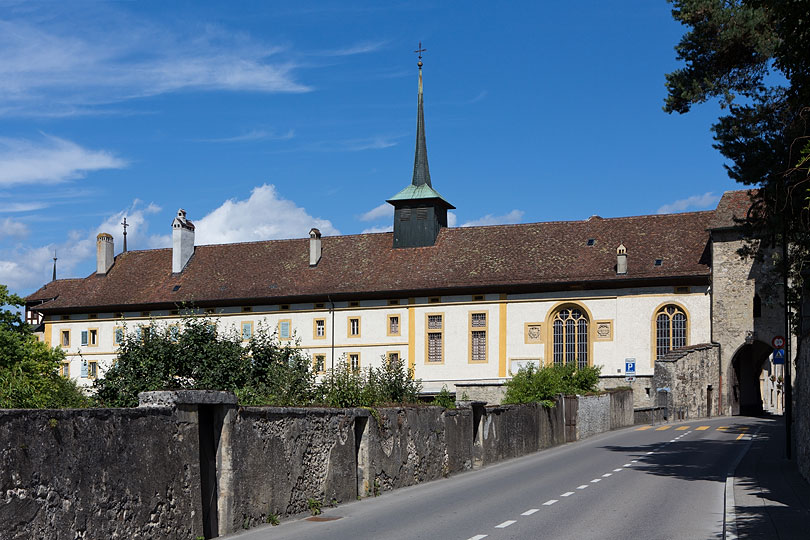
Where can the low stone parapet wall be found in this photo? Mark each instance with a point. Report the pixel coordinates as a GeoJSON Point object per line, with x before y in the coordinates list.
{"type": "Point", "coordinates": [196, 465]}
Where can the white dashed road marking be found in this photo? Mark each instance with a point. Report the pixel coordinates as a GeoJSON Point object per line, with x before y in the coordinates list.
{"type": "Point", "coordinates": [628, 464]}
{"type": "Point", "coordinates": [616, 470]}
{"type": "Point", "coordinates": [505, 524]}
{"type": "Point", "coordinates": [607, 474]}
{"type": "Point", "coordinates": [478, 537]}
{"type": "Point", "coordinates": [549, 502]}
{"type": "Point", "coordinates": [595, 480]}
{"type": "Point", "coordinates": [530, 512]}
{"type": "Point", "coordinates": [567, 494]}
{"type": "Point", "coordinates": [583, 486]}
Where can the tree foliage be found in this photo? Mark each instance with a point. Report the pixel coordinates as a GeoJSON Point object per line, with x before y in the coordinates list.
{"type": "Point", "coordinates": [392, 383]}
{"type": "Point", "coordinates": [753, 57]}
{"type": "Point", "coordinates": [195, 355]}
{"type": "Point", "coordinates": [543, 384]}
{"type": "Point", "coordinates": [29, 368]}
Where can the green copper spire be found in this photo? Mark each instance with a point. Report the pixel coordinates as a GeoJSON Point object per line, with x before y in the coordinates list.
{"type": "Point", "coordinates": [421, 171]}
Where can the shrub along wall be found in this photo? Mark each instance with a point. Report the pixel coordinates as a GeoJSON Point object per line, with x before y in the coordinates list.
{"type": "Point", "coordinates": [189, 464]}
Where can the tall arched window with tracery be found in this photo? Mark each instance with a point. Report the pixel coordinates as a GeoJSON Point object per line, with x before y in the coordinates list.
{"type": "Point", "coordinates": [670, 329]}
{"type": "Point", "coordinates": [570, 337]}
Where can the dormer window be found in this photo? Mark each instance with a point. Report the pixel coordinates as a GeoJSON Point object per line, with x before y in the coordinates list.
{"type": "Point", "coordinates": [659, 262]}
{"type": "Point", "coordinates": [591, 241]}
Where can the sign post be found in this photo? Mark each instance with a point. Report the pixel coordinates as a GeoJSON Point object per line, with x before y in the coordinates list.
{"type": "Point", "coordinates": [630, 369]}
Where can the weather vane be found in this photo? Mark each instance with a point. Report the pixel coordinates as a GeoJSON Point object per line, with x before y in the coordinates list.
{"type": "Point", "coordinates": [419, 52]}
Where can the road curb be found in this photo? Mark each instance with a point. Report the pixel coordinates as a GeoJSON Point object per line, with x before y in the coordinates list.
{"type": "Point", "coordinates": [730, 514]}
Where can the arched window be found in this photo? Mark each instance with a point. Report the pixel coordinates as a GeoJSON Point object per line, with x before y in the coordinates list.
{"type": "Point", "coordinates": [570, 337]}
{"type": "Point", "coordinates": [670, 329]}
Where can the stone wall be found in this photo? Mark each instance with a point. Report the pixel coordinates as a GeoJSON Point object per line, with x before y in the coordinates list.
{"type": "Point", "coordinates": [186, 464]}
{"type": "Point", "coordinates": [99, 474]}
{"type": "Point", "coordinates": [282, 457]}
{"type": "Point", "coordinates": [643, 388]}
{"type": "Point", "coordinates": [801, 410]}
{"type": "Point", "coordinates": [491, 393]}
{"type": "Point", "coordinates": [693, 376]}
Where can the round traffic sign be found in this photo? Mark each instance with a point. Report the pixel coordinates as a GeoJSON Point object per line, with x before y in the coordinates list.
{"type": "Point", "coordinates": [778, 342]}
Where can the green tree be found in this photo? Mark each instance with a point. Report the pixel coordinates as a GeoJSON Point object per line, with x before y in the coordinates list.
{"type": "Point", "coordinates": [195, 355]}
{"type": "Point", "coordinates": [29, 368]}
{"type": "Point", "coordinates": [543, 384]}
{"type": "Point", "coordinates": [753, 57]}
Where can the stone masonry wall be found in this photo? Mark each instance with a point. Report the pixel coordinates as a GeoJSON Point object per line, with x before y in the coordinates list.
{"type": "Point", "coordinates": [688, 373]}
{"type": "Point", "coordinates": [137, 473]}
{"type": "Point", "coordinates": [282, 457]}
{"type": "Point", "coordinates": [734, 283]}
{"type": "Point", "coordinates": [801, 411]}
{"type": "Point", "coordinates": [99, 474]}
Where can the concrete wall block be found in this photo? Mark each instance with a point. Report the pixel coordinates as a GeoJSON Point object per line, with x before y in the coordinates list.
{"type": "Point", "coordinates": [287, 456]}
{"type": "Point", "coordinates": [621, 408]}
{"type": "Point", "coordinates": [66, 474]}
{"type": "Point", "coordinates": [509, 431]}
{"type": "Point", "coordinates": [593, 415]}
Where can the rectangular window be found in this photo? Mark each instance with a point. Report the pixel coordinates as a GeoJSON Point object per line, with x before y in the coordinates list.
{"type": "Point", "coordinates": [84, 338]}
{"type": "Point", "coordinates": [64, 369]}
{"type": "Point", "coordinates": [319, 329]}
{"type": "Point", "coordinates": [478, 337]}
{"type": "Point", "coordinates": [247, 330]}
{"type": "Point", "coordinates": [319, 363]}
{"type": "Point", "coordinates": [435, 338]}
{"type": "Point", "coordinates": [354, 327]}
{"type": "Point", "coordinates": [174, 332]}
{"type": "Point", "coordinates": [354, 361]}
{"type": "Point", "coordinates": [65, 341]}
{"type": "Point", "coordinates": [284, 329]}
{"type": "Point", "coordinates": [118, 335]}
{"type": "Point", "coordinates": [393, 325]}
{"type": "Point", "coordinates": [393, 357]}
{"type": "Point", "coordinates": [92, 337]}
{"type": "Point", "coordinates": [92, 369]}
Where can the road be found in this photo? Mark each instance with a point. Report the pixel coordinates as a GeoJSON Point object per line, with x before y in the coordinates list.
{"type": "Point", "coordinates": [646, 482]}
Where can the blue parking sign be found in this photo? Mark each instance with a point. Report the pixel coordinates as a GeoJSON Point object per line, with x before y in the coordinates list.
{"type": "Point", "coordinates": [629, 366]}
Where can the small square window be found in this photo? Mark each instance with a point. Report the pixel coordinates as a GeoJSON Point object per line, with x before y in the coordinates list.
{"type": "Point", "coordinates": [176, 288]}
{"type": "Point", "coordinates": [354, 304]}
{"type": "Point", "coordinates": [174, 312]}
{"type": "Point", "coordinates": [393, 357]}
{"type": "Point", "coordinates": [145, 314]}
{"type": "Point", "coordinates": [247, 330]}
{"type": "Point", "coordinates": [118, 315]}
{"type": "Point", "coordinates": [393, 325]}
{"type": "Point", "coordinates": [92, 315]}
{"type": "Point", "coordinates": [478, 298]}
{"type": "Point", "coordinates": [246, 309]}
{"type": "Point", "coordinates": [435, 299]}
{"type": "Point", "coordinates": [393, 302]}
{"type": "Point", "coordinates": [659, 262]}
{"type": "Point", "coordinates": [285, 306]}
{"type": "Point", "coordinates": [65, 317]}
{"type": "Point", "coordinates": [319, 305]}
{"type": "Point", "coordinates": [591, 241]}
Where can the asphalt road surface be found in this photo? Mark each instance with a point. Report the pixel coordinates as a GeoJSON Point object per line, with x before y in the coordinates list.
{"type": "Point", "coordinates": [661, 482]}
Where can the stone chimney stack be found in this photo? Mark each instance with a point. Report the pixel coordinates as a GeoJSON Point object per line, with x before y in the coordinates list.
{"type": "Point", "coordinates": [621, 260]}
{"type": "Point", "coordinates": [314, 247]}
{"type": "Point", "coordinates": [182, 241]}
{"type": "Point", "coordinates": [105, 254]}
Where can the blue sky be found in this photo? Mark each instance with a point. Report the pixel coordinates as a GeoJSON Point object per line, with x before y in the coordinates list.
{"type": "Point", "coordinates": [264, 119]}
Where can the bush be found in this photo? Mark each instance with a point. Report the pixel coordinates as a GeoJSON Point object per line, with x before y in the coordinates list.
{"type": "Point", "coordinates": [389, 384]}
{"type": "Point", "coordinates": [194, 355]}
{"type": "Point", "coordinates": [542, 385]}
{"type": "Point", "coordinates": [444, 399]}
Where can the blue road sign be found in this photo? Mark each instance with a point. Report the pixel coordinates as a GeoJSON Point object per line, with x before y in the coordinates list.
{"type": "Point", "coordinates": [629, 366]}
{"type": "Point", "coordinates": [779, 356]}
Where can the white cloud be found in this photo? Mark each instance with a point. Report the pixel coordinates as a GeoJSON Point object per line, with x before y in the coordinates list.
{"type": "Point", "coordinates": [359, 48]}
{"type": "Point", "coordinates": [512, 217]}
{"type": "Point", "coordinates": [452, 219]}
{"type": "Point", "coordinates": [263, 216]}
{"type": "Point", "coordinates": [51, 68]}
{"type": "Point", "coordinates": [21, 207]}
{"type": "Point", "coordinates": [13, 229]}
{"type": "Point", "coordinates": [254, 135]}
{"type": "Point", "coordinates": [50, 161]}
{"type": "Point", "coordinates": [380, 229]}
{"type": "Point", "coordinates": [25, 268]}
{"type": "Point", "coordinates": [695, 202]}
{"type": "Point", "coordinates": [385, 210]}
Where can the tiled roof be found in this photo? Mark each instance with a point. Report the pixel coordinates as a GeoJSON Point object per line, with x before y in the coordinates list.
{"type": "Point", "coordinates": [59, 287]}
{"type": "Point", "coordinates": [537, 256]}
{"type": "Point", "coordinates": [733, 205]}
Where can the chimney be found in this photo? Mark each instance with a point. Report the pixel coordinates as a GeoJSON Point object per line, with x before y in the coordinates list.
{"type": "Point", "coordinates": [621, 260]}
{"type": "Point", "coordinates": [314, 247]}
{"type": "Point", "coordinates": [182, 241]}
{"type": "Point", "coordinates": [105, 255]}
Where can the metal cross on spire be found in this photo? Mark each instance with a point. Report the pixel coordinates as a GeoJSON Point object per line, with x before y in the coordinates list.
{"type": "Point", "coordinates": [125, 224]}
{"type": "Point", "coordinates": [54, 265]}
{"type": "Point", "coordinates": [419, 50]}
